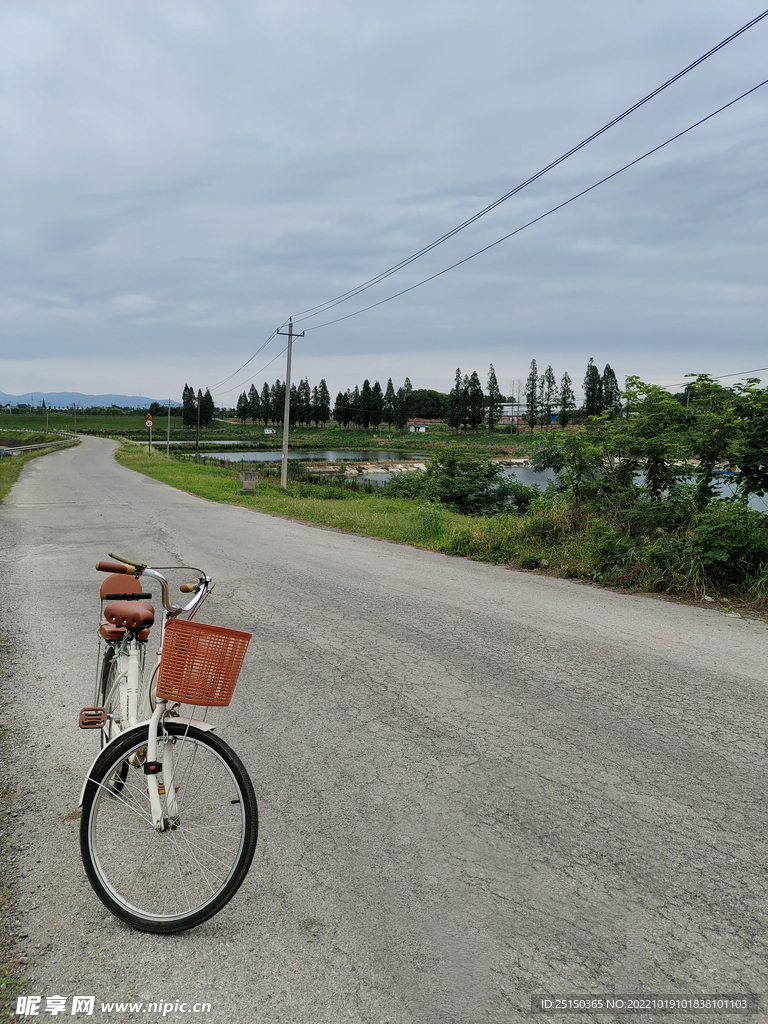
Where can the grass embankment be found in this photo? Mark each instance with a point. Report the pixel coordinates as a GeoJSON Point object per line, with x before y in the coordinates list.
{"type": "Point", "coordinates": [548, 537]}
{"type": "Point", "coordinates": [343, 508]}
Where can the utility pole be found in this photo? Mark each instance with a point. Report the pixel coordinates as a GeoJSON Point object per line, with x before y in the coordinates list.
{"type": "Point", "coordinates": [197, 434]}
{"type": "Point", "coordinates": [168, 442]}
{"type": "Point", "coordinates": [287, 407]}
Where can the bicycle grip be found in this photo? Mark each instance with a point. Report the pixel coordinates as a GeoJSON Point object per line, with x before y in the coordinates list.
{"type": "Point", "coordinates": [127, 570]}
{"type": "Point", "coordinates": [188, 588]}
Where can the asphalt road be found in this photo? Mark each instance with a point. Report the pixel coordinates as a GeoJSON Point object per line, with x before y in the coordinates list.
{"type": "Point", "coordinates": [474, 784]}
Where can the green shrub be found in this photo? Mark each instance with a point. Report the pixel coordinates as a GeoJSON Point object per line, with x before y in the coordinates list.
{"type": "Point", "coordinates": [729, 541]}
{"type": "Point", "coordinates": [608, 546]}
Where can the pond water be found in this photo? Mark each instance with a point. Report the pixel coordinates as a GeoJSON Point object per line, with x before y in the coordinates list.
{"type": "Point", "coordinates": [526, 475]}
{"type": "Point", "coordinates": [345, 455]}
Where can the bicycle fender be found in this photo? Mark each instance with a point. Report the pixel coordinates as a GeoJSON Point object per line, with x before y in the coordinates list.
{"type": "Point", "coordinates": [139, 727]}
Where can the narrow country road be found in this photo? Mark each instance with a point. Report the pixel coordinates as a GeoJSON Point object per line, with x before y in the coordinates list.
{"type": "Point", "coordinates": [474, 784]}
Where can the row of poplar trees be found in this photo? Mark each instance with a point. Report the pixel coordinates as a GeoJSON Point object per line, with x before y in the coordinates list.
{"type": "Point", "coordinates": [189, 403]}
{"type": "Point", "coordinates": [469, 406]}
{"type": "Point", "coordinates": [371, 405]}
{"type": "Point", "coordinates": [308, 405]}
{"type": "Point", "coordinates": [544, 398]}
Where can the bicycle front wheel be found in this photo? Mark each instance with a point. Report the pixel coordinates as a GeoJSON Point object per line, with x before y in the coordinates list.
{"type": "Point", "coordinates": [170, 880]}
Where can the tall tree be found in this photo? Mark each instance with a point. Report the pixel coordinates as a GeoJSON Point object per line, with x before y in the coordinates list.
{"type": "Point", "coordinates": [475, 402]}
{"type": "Point", "coordinates": [207, 409]}
{"type": "Point", "coordinates": [365, 404]}
{"type": "Point", "coordinates": [266, 410]}
{"type": "Point", "coordinates": [377, 406]}
{"type": "Point", "coordinates": [457, 402]}
{"type": "Point", "coordinates": [610, 392]}
{"type": "Point", "coordinates": [254, 404]}
{"type": "Point", "coordinates": [277, 401]}
{"type": "Point", "coordinates": [388, 410]}
{"type": "Point", "coordinates": [532, 396]}
{"type": "Point", "coordinates": [550, 395]}
{"type": "Point", "coordinates": [323, 402]}
{"type": "Point", "coordinates": [242, 408]}
{"type": "Point", "coordinates": [303, 403]}
{"type": "Point", "coordinates": [355, 407]}
{"type": "Point", "coordinates": [188, 407]}
{"type": "Point", "coordinates": [540, 401]}
{"type": "Point", "coordinates": [566, 401]}
{"type": "Point", "coordinates": [405, 395]}
{"type": "Point", "coordinates": [494, 400]}
{"type": "Point", "coordinates": [464, 402]}
{"type": "Point", "coordinates": [340, 409]}
{"type": "Point", "coordinates": [593, 390]}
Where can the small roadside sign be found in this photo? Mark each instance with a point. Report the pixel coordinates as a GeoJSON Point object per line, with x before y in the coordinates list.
{"type": "Point", "coordinates": [149, 422]}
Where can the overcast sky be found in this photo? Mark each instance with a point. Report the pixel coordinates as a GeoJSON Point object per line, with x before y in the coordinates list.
{"type": "Point", "coordinates": [180, 177]}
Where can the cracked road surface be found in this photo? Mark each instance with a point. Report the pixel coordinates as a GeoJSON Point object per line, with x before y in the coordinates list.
{"type": "Point", "coordinates": [474, 784]}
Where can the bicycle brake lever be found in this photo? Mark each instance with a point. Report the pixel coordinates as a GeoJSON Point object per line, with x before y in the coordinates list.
{"type": "Point", "coordinates": [139, 566]}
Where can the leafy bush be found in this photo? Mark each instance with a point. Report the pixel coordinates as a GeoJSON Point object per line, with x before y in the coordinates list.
{"type": "Point", "coordinates": [729, 541]}
{"type": "Point", "coordinates": [463, 483]}
{"type": "Point", "coordinates": [608, 546]}
{"type": "Point", "coordinates": [414, 485]}
{"type": "Point", "coordinates": [522, 495]}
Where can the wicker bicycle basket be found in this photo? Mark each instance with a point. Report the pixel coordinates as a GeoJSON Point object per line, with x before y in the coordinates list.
{"type": "Point", "coordinates": [200, 663]}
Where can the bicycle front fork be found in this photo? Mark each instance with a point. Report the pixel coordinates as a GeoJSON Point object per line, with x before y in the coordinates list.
{"type": "Point", "coordinates": [162, 796]}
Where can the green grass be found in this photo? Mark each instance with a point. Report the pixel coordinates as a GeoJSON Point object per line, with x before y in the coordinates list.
{"type": "Point", "coordinates": [131, 427]}
{"type": "Point", "coordinates": [551, 537]}
{"type": "Point", "coordinates": [507, 539]}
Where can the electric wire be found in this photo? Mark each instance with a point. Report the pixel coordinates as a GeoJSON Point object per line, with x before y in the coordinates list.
{"type": "Point", "coordinates": [536, 220]}
{"type": "Point", "coordinates": [352, 292]}
{"type": "Point", "coordinates": [235, 372]}
{"type": "Point", "coordinates": [258, 372]}
{"type": "Point", "coordinates": [723, 376]}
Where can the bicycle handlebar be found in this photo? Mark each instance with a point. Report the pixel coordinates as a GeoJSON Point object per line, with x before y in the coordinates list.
{"type": "Point", "coordinates": [119, 567]}
{"type": "Point", "coordinates": [201, 589]}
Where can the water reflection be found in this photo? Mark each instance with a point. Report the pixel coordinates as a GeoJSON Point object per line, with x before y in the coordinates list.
{"type": "Point", "coordinates": [343, 455]}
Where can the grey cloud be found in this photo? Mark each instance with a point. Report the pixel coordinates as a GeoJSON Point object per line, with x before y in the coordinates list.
{"type": "Point", "coordinates": [183, 177]}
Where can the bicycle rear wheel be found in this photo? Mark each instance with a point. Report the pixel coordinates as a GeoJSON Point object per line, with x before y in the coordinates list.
{"type": "Point", "coordinates": [175, 879]}
{"type": "Point", "coordinates": [108, 695]}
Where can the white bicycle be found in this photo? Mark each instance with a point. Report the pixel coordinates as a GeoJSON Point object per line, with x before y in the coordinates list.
{"type": "Point", "coordinates": [169, 817]}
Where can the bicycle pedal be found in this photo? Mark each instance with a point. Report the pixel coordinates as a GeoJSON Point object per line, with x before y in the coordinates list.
{"type": "Point", "coordinates": [93, 718]}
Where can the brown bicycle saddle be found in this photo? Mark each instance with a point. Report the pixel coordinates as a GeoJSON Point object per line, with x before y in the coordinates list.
{"type": "Point", "coordinates": [133, 615]}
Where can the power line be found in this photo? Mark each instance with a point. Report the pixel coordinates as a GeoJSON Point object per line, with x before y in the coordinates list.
{"type": "Point", "coordinates": [535, 220]}
{"type": "Point", "coordinates": [351, 293]}
{"type": "Point", "coordinates": [234, 373]}
{"type": "Point", "coordinates": [323, 307]}
{"type": "Point", "coordinates": [723, 376]}
{"type": "Point", "coordinates": [281, 352]}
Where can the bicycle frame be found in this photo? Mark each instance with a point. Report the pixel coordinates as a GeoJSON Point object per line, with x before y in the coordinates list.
{"type": "Point", "coordinates": [137, 705]}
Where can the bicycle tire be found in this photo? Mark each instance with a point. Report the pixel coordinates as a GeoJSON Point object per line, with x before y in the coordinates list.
{"type": "Point", "coordinates": [172, 880]}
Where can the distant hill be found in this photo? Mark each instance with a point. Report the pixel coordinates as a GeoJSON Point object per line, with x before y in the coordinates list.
{"type": "Point", "coordinates": [65, 399]}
